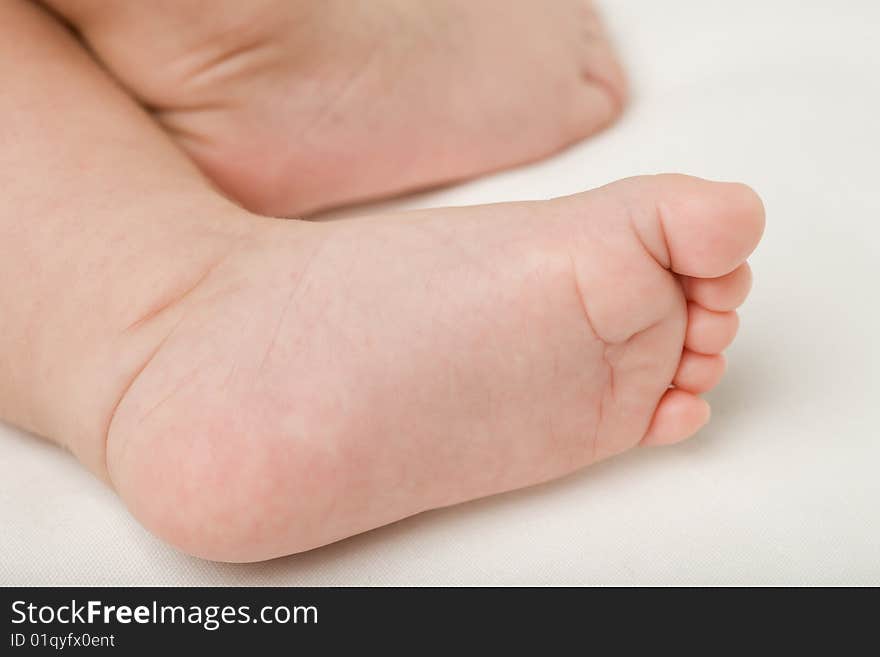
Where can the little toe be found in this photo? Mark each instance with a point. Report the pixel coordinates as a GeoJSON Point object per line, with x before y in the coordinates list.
{"type": "Point", "coordinates": [720, 294]}
{"type": "Point", "coordinates": [699, 372]}
{"type": "Point", "coordinates": [679, 415]}
{"type": "Point", "coordinates": [709, 332]}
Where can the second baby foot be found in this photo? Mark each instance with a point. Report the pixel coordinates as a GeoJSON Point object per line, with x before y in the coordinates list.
{"type": "Point", "coordinates": [294, 105]}
{"type": "Point", "coordinates": [324, 379]}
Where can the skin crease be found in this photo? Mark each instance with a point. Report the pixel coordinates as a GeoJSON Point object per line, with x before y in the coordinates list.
{"type": "Point", "coordinates": [286, 121]}
{"type": "Point", "coordinates": [254, 387]}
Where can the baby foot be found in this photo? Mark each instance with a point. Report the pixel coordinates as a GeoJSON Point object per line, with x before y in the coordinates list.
{"type": "Point", "coordinates": [293, 106]}
{"type": "Point", "coordinates": [324, 379]}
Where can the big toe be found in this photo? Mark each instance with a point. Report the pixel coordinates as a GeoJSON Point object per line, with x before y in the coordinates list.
{"type": "Point", "coordinates": [692, 226]}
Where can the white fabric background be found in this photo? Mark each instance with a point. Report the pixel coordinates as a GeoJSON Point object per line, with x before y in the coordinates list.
{"type": "Point", "coordinates": [783, 487]}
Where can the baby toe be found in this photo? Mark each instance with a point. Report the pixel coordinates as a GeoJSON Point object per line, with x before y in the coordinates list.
{"type": "Point", "coordinates": [720, 294]}
{"type": "Point", "coordinates": [709, 332]}
{"type": "Point", "coordinates": [679, 415]}
{"type": "Point", "coordinates": [699, 372]}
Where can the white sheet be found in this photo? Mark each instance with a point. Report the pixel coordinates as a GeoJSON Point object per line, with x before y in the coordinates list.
{"type": "Point", "coordinates": [783, 487]}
